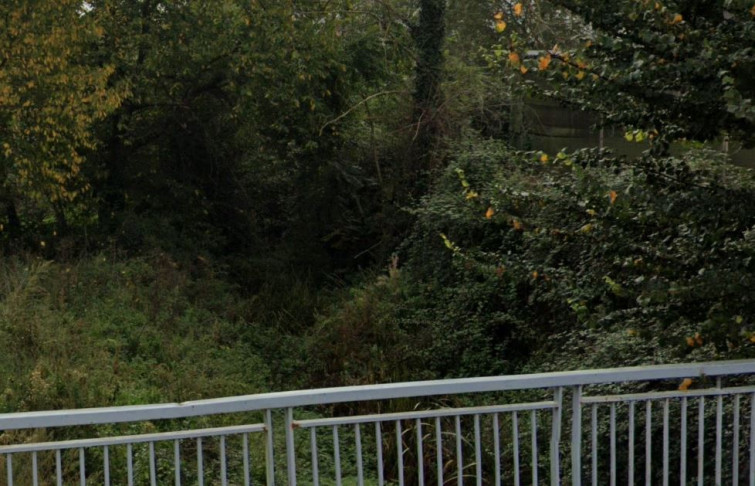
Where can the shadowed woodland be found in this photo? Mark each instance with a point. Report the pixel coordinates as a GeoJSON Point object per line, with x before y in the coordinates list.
{"type": "Point", "coordinates": [201, 199]}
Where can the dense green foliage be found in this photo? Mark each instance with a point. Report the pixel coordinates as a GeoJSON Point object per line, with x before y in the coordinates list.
{"type": "Point", "coordinates": [683, 68]}
{"type": "Point", "coordinates": [565, 254]}
{"type": "Point", "coordinates": [201, 198]}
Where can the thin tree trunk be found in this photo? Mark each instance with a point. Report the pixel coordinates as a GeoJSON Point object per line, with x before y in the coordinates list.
{"type": "Point", "coordinates": [428, 36]}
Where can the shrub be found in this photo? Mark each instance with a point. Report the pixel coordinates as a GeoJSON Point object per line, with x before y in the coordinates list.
{"type": "Point", "coordinates": [561, 255]}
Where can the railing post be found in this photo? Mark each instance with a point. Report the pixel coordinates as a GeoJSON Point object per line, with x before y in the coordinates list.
{"type": "Point", "coordinates": [558, 397]}
{"type": "Point", "coordinates": [269, 452]}
{"type": "Point", "coordinates": [576, 436]}
{"type": "Point", "coordinates": [290, 452]}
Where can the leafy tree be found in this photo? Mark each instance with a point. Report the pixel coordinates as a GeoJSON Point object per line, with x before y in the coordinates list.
{"type": "Point", "coordinates": [674, 69]}
{"type": "Point", "coordinates": [49, 99]}
{"type": "Point", "coordinates": [245, 124]}
{"type": "Point", "coordinates": [515, 253]}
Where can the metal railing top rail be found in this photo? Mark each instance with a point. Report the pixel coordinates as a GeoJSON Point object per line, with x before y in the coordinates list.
{"type": "Point", "coordinates": [288, 399]}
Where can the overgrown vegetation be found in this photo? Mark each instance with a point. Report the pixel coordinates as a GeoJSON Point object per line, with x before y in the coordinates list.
{"type": "Point", "coordinates": [206, 199]}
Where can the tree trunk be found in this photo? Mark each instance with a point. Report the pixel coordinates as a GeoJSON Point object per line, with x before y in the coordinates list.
{"type": "Point", "coordinates": [428, 36]}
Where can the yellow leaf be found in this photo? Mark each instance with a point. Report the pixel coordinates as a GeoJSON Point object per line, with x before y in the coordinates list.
{"type": "Point", "coordinates": [472, 195]}
{"type": "Point", "coordinates": [544, 158]}
{"type": "Point", "coordinates": [544, 62]}
{"type": "Point", "coordinates": [752, 11]}
{"type": "Point", "coordinates": [498, 15]}
{"type": "Point", "coordinates": [449, 244]}
{"type": "Point", "coordinates": [518, 9]}
{"type": "Point", "coordinates": [535, 275]}
{"type": "Point", "coordinates": [489, 213]}
{"type": "Point", "coordinates": [523, 69]}
{"type": "Point", "coordinates": [612, 196]}
{"type": "Point", "coordinates": [691, 342]}
{"type": "Point", "coordinates": [586, 228]}
{"type": "Point", "coordinates": [698, 339]}
{"type": "Point", "coordinates": [514, 58]}
{"type": "Point", "coordinates": [591, 212]}
{"type": "Point", "coordinates": [580, 75]}
{"type": "Point", "coordinates": [500, 26]}
{"type": "Point", "coordinates": [677, 19]}
{"type": "Point", "coordinates": [685, 384]}
{"type": "Point", "coordinates": [752, 338]}
{"type": "Point", "coordinates": [518, 226]}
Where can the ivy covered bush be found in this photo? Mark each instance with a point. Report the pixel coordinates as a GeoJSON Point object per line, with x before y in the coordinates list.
{"type": "Point", "coordinates": [576, 260]}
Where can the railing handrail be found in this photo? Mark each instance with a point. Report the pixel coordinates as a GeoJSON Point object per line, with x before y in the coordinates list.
{"type": "Point", "coordinates": [299, 398]}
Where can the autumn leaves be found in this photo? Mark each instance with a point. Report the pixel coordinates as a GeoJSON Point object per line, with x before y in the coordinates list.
{"type": "Point", "coordinates": [500, 24]}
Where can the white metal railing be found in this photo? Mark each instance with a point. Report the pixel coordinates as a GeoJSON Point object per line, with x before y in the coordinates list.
{"type": "Point", "coordinates": [613, 426]}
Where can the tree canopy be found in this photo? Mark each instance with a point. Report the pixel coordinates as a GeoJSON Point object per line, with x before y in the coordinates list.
{"type": "Point", "coordinates": [681, 69]}
{"type": "Point", "coordinates": [51, 97]}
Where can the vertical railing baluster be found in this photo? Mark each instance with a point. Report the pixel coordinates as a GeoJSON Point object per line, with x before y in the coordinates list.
{"type": "Point", "coordinates": [594, 436]}
{"type": "Point", "coordinates": [752, 439]}
{"type": "Point", "coordinates": [630, 473]}
{"type": "Point", "coordinates": [129, 464]}
{"type": "Point", "coordinates": [400, 452]}
{"type": "Point", "coordinates": [683, 445]}
{"type": "Point", "coordinates": [665, 441]}
{"type": "Point", "coordinates": [59, 469]}
{"type": "Point", "coordinates": [515, 434]}
{"type": "Point", "coordinates": [379, 445]}
{"type": "Point", "coordinates": [459, 458]}
{"type": "Point", "coordinates": [612, 433]}
{"type": "Point", "coordinates": [247, 467]}
{"type": "Point", "coordinates": [106, 464]}
{"type": "Point", "coordinates": [420, 455]}
{"type": "Point", "coordinates": [360, 467]}
{"type": "Point", "coordinates": [200, 463]}
{"type": "Point", "coordinates": [700, 441]}
{"type": "Point", "coordinates": [269, 448]}
{"type": "Point", "coordinates": [315, 465]}
{"type": "Point", "coordinates": [337, 455]}
{"type": "Point", "coordinates": [223, 463]}
{"type": "Point", "coordinates": [735, 444]}
{"type": "Point", "coordinates": [477, 450]}
{"type": "Point", "coordinates": [439, 451]}
{"type": "Point", "coordinates": [34, 469]}
{"type": "Point", "coordinates": [719, 431]}
{"type": "Point", "coordinates": [9, 468]}
{"type": "Point", "coordinates": [497, 449]}
{"type": "Point", "coordinates": [290, 452]}
{"type": "Point", "coordinates": [576, 437]}
{"type": "Point", "coordinates": [558, 398]}
{"type": "Point", "coordinates": [82, 468]}
{"type": "Point", "coordinates": [177, 463]}
{"type": "Point", "coordinates": [152, 469]}
{"type": "Point", "coordinates": [648, 442]}
{"type": "Point", "coordinates": [533, 424]}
